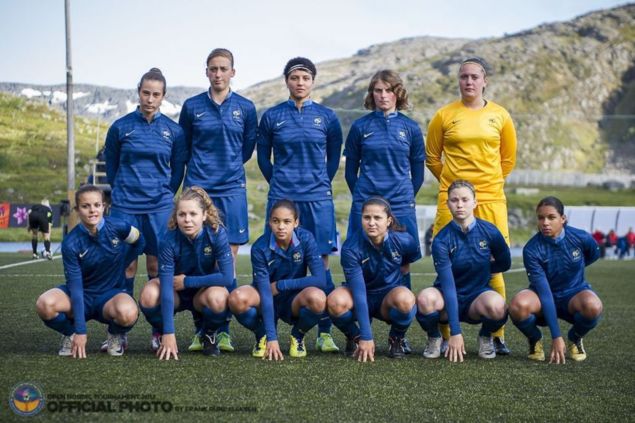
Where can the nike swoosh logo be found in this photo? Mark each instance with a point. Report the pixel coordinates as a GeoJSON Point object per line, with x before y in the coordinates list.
{"type": "Point", "coordinates": [81, 255]}
{"type": "Point", "coordinates": [198, 115]}
{"type": "Point", "coordinates": [365, 260]}
{"type": "Point", "coordinates": [280, 123]}
{"type": "Point", "coordinates": [127, 134]}
{"type": "Point", "coordinates": [241, 231]}
{"type": "Point", "coordinates": [368, 134]}
{"type": "Point", "coordinates": [269, 263]}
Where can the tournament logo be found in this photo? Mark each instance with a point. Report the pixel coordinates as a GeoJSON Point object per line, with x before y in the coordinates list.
{"type": "Point", "coordinates": [26, 399]}
{"type": "Point", "coordinates": [207, 250]}
{"type": "Point", "coordinates": [297, 257]}
{"type": "Point", "coordinates": [482, 244]}
{"type": "Point", "coordinates": [317, 121]}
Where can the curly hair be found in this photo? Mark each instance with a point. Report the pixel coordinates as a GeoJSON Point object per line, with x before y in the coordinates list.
{"type": "Point", "coordinates": [199, 195]}
{"type": "Point", "coordinates": [393, 79]}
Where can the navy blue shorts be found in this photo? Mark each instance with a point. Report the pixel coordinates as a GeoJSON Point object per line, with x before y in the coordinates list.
{"type": "Point", "coordinates": [153, 226]}
{"type": "Point", "coordinates": [233, 211]}
{"type": "Point", "coordinates": [562, 306]}
{"type": "Point", "coordinates": [464, 303]}
{"type": "Point", "coordinates": [282, 306]}
{"type": "Point", "coordinates": [94, 304]}
{"type": "Point", "coordinates": [317, 217]}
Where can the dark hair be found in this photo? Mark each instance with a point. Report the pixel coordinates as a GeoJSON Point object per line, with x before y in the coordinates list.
{"type": "Point", "coordinates": [461, 183]}
{"type": "Point", "coordinates": [553, 202]}
{"type": "Point", "coordinates": [220, 52]}
{"type": "Point", "coordinates": [88, 188]}
{"type": "Point", "coordinates": [206, 204]}
{"type": "Point", "coordinates": [285, 204]}
{"type": "Point", "coordinates": [395, 82]}
{"type": "Point", "coordinates": [153, 74]}
{"type": "Point", "coordinates": [479, 61]}
{"type": "Point", "coordinates": [380, 201]}
{"type": "Point", "coordinates": [299, 63]}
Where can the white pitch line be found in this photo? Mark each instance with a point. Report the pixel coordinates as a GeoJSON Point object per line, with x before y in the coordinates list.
{"type": "Point", "coordinates": [24, 263]}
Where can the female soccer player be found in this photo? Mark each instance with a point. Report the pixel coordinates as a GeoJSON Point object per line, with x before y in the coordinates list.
{"type": "Point", "coordinates": [196, 273]}
{"type": "Point", "coordinates": [305, 138]}
{"type": "Point", "coordinates": [372, 260]}
{"type": "Point", "coordinates": [555, 259]}
{"type": "Point", "coordinates": [477, 140]}
{"type": "Point", "coordinates": [281, 287]}
{"type": "Point", "coordinates": [220, 129]}
{"type": "Point", "coordinates": [95, 259]}
{"type": "Point", "coordinates": [465, 252]}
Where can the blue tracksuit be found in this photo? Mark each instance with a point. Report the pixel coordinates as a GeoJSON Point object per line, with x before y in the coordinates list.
{"type": "Point", "coordinates": [144, 162]}
{"type": "Point", "coordinates": [95, 264]}
{"type": "Point", "coordinates": [555, 268]}
{"type": "Point", "coordinates": [206, 261]}
{"type": "Point", "coordinates": [464, 263]}
{"type": "Point", "coordinates": [374, 272]}
{"type": "Point", "coordinates": [219, 138]}
{"type": "Point", "coordinates": [288, 268]}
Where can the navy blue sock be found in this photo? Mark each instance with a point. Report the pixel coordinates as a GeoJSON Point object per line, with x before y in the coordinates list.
{"type": "Point", "coordinates": [197, 318]}
{"type": "Point", "coordinates": [61, 324]}
{"type": "Point", "coordinates": [400, 322]}
{"type": "Point", "coordinates": [116, 329]}
{"type": "Point", "coordinates": [581, 326]}
{"type": "Point", "coordinates": [34, 245]}
{"type": "Point", "coordinates": [212, 320]}
{"type": "Point", "coordinates": [346, 323]}
{"type": "Point", "coordinates": [130, 286]}
{"type": "Point", "coordinates": [405, 280]}
{"type": "Point", "coordinates": [47, 245]}
{"type": "Point", "coordinates": [325, 324]}
{"type": "Point", "coordinates": [252, 321]}
{"type": "Point", "coordinates": [153, 316]}
{"type": "Point", "coordinates": [306, 320]}
{"type": "Point", "coordinates": [529, 328]}
{"type": "Point", "coordinates": [430, 323]}
{"type": "Point", "coordinates": [489, 325]}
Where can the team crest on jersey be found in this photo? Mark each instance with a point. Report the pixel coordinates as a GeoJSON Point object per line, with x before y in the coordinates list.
{"type": "Point", "coordinates": [207, 250]}
{"type": "Point", "coordinates": [236, 114]}
{"type": "Point", "coordinates": [492, 121]}
{"type": "Point", "coordinates": [297, 257]}
{"type": "Point", "coordinates": [576, 254]}
{"type": "Point", "coordinates": [482, 244]}
{"type": "Point", "coordinates": [402, 135]}
{"type": "Point", "coordinates": [166, 134]}
{"type": "Point", "coordinates": [395, 256]}
{"type": "Point", "coordinates": [317, 121]}
{"type": "Point", "coordinates": [115, 242]}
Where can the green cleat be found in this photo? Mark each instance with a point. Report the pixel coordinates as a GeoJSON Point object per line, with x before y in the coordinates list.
{"type": "Point", "coordinates": [196, 344]}
{"type": "Point", "coordinates": [225, 342]}
{"type": "Point", "coordinates": [297, 348]}
{"type": "Point", "coordinates": [325, 343]}
{"type": "Point", "coordinates": [259, 348]}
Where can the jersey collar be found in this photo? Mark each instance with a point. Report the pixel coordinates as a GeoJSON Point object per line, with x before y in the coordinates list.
{"type": "Point", "coordinates": [392, 115]}
{"type": "Point", "coordinates": [273, 246]}
{"type": "Point", "coordinates": [140, 115]}
{"type": "Point", "coordinates": [99, 226]}
{"type": "Point", "coordinates": [307, 102]}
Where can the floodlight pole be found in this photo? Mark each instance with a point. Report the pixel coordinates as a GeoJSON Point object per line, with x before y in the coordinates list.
{"type": "Point", "coordinates": [70, 132]}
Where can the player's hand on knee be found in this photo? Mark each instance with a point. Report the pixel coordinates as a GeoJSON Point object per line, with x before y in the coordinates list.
{"type": "Point", "coordinates": [168, 347]}
{"type": "Point", "coordinates": [558, 349]}
{"type": "Point", "coordinates": [273, 352]}
{"type": "Point", "coordinates": [78, 346]}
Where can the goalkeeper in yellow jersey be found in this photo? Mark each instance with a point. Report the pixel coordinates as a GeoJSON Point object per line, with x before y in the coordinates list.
{"type": "Point", "coordinates": [474, 139]}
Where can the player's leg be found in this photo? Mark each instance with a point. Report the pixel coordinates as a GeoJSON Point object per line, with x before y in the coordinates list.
{"type": "Point", "coordinates": [244, 304]}
{"type": "Point", "coordinates": [429, 306]}
{"type": "Point", "coordinates": [442, 218]}
{"type": "Point", "coordinates": [150, 304]}
{"type": "Point", "coordinates": [212, 304]}
{"type": "Point", "coordinates": [340, 308]}
{"type": "Point", "coordinates": [122, 313]}
{"type": "Point", "coordinates": [490, 309]}
{"type": "Point", "coordinates": [398, 308]}
{"type": "Point", "coordinates": [54, 308]}
{"type": "Point", "coordinates": [523, 310]}
{"type": "Point", "coordinates": [586, 308]}
{"type": "Point", "coordinates": [307, 308]}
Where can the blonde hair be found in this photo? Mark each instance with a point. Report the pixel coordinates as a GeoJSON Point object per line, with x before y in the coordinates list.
{"type": "Point", "coordinates": [199, 195]}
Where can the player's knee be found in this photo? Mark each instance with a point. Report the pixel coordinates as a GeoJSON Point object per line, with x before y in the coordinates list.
{"type": "Point", "coordinates": [592, 308]}
{"type": "Point", "coordinates": [149, 296]}
{"type": "Point", "coordinates": [238, 301]}
{"type": "Point", "coordinates": [404, 300]}
{"type": "Point", "coordinates": [316, 301]}
{"type": "Point", "coordinates": [425, 303]}
{"type": "Point", "coordinates": [126, 313]}
{"type": "Point", "coordinates": [45, 307]}
{"type": "Point", "coordinates": [519, 308]}
{"type": "Point", "coordinates": [217, 301]}
{"type": "Point", "coordinates": [337, 304]}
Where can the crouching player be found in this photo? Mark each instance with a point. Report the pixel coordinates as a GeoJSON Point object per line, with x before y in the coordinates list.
{"type": "Point", "coordinates": [374, 260]}
{"type": "Point", "coordinates": [555, 259]}
{"type": "Point", "coordinates": [465, 252]}
{"type": "Point", "coordinates": [281, 288]}
{"type": "Point", "coordinates": [195, 273]}
{"type": "Point", "coordinates": [95, 260]}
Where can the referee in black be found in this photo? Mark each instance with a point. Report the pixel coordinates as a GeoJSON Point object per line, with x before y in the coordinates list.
{"type": "Point", "coordinates": [41, 220]}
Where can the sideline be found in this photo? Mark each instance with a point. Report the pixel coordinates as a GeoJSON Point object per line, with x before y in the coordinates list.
{"type": "Point", "coordinates": [24, 263]}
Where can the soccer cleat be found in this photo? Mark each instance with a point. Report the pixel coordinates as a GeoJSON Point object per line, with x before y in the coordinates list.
{"type": "Point", "coordinates": [433, 347]}
{"type": "Point", "coordinates": [501, 347]}
{"type": "Point", "coordinates": [155, 342]}
{"type": "Point", "coordinates": [260, 347]}
{"type": "Point", "coordinates": [66, 346]}
{"type": "Point", "coordinates": [225, 342]}
{"type": "Point", "coordinates": [351, 346]}
{"type": "Point", "coordinates": [444, 346]}
{"type": "Point", "coordinates": [104, 345]}
{"type": "Point", "coordinates": [297, 348]}
{"type": "Point", "coordinates": [486, 347]}
{"type": "Point", "coordinates": [325, 343]}
{"type": "Point", "coordinates": [395, 347]}
{"type": "Point", "coordinates": [196, 344]}
{"type": "Point", "coordinates": [406, 346]}
{"type": "Point", "coordinates": [116, 345]}
{"type": "Point", "coordinates": [536, 351]}
{"type": "Point", "coordinates": [576, 351]}
{"type": "Point", "coordinates": [35, 256]}
{"type": "Point", "coordinates": [210, 344]}
{"type": "Point", "coordinates": [48, 255]}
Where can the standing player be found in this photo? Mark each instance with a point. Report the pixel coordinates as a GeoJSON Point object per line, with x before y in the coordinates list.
{"type": "Point", "coordinates": [465, 252]}
{"type": "Point", "coordinates": [220, 129]}
{"type": "Point", "coordinates": [477, 141]}
{"type": "Point", "coordinates": [306, 140]}
{"type": "Point", "coordinates": [281, 288]}
{"type": "Point", "coordinates": [372, 259]}
{"type": "Point", "coordinates": [41, 220]}
{"type": "Point", "coordinates": [555, 259]}
{"type": "Point", "coordinates": [95, 258]}
{"type": "Point", "coordinates": [196, 273]}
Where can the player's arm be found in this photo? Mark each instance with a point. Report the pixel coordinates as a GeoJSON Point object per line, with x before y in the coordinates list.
{"type": "Point", "coordinates": [502, 259]}
{"type": "Point", "coordinates": [591, 249]}
{"type": "Point", "coordinates": [352, 151]}
{"type": "Point", "coordinates": [250, 133]}
{"type": "Point", "coordinates": [264, 147]}
{"type": "Point", "coordinates": [434, 146]}
{"type": "Point", "coordinates": [314, 261]}
{"type": "Point", "coordinates": [225, 263]}
{"type": "Point", "coordinates": [111, 153]}
{"type": "Point", "coordinates": [417, 158]}
{"type": "Point", "coordinates": [538, 280]}
{"type": "Point", "coordinates": [508, 146]}
{"type": "Point", "coordinates": [333, 146]}
{"type": "Point", "coordinates": [262, 282]}
{"type": "Point", "coordinates": [75, 284]}
{"type": "Point", "coordinates": [185, 122]}
{"type": "Point", "coordinates": [178, 160]}
{"type": "Point", "coordinates": [169, 345]}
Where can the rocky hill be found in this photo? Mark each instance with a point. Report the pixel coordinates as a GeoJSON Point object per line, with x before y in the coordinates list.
{"type": "Point", "coordinates": [570, 87]}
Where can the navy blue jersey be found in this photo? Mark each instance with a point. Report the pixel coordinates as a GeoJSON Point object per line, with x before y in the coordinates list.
{"type": "Point", "coordinates": [144, 162]}
{"type": "Point", "coordinates": [306, 147]}
{"type": "Point", "coordinates": [385, 149]}
{"type": "Point", "coordinates": [372, 270]}
{"type": "Point", "coordinates": [555, 267]}
{"type": "Point", "coordinates": [464, 262]}
{"type": "Point", "coordinates": [287, 268]}
{"type": "Point", "coordinates": [205, 261]}
{"type": "Point", "coordinates": [219, 138]}
{"type": "Point", "coordinates": [95, 264]}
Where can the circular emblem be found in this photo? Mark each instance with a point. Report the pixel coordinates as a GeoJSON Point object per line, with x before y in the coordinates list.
{"type": "Point", "coordinates": [26, 399]}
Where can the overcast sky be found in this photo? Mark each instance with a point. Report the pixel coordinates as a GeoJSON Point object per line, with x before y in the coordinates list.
{"type": "Point", "coordinates": [115, 41]}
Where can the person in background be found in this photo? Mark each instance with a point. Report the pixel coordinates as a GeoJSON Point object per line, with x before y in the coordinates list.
{"type": "Point", "coordinates": [41, 221]}
{"type": "Point", "coordinates": [600, 239]}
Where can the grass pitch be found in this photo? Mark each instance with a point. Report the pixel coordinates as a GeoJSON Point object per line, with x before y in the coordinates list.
{"type": "Point", "coordinates": [321, 387]}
